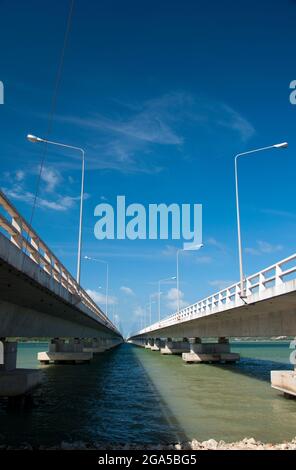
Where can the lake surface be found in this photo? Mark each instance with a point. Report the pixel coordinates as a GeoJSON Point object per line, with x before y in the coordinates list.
{"type": "Point", "coordinates": [133, 395]}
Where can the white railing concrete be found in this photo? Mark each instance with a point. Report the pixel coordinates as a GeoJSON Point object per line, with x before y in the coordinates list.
{"type": "Point", "coordinates": [30, 244]}
{"type": "Point", "coordinates": [273, 276]}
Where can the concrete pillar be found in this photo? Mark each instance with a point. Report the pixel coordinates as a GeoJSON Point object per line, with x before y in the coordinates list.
{"type": "Point", "coordinates": [16, 384]}
{"type": "Point", "coordinates": [210, 352]}
{"type": "Point", "coordinates": [62, 352]}
{"type": "Point", "coordinates": [175, 347]}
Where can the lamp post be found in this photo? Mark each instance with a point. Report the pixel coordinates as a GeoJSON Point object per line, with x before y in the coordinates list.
{"type": "Point", "coordinates": [146, 307]}
{"type": "Point", "coordinates": [107, 277]}
{"type": "Point", "coordinates": [150, 307]}
{"type": "Point", "coordinates": [239, 239]}
{"type": "Point", "coordinates": [192, 248]}
{"type": "Point", "coordinates": [159, 293]}
{"type": "Point", "coordinates": [34, 139]}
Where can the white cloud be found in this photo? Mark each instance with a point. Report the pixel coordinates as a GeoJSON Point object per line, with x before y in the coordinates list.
{"type": "Point", "coordinates": [169, 250]}
{"type": "Point", "coordinates": [61, 203]}
{"type": "Point", "coordinates": [51, 178]}
{"type": "Point", "coordinates": [100, 298]}
{"type": "Point", "coordinates": [172, 299]}
{"type": "Point", "coordinates": [139, 311]}
{"type": "Point", "coordinates": [127, 290]}
{"type": "Point", "coordinates": [19, 175]}
{"type": "Point", "coordinates": [263, 248]}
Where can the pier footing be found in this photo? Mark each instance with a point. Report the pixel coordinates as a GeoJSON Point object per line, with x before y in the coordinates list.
{"type": "Point", "coordinates": [16, 384]}
{"type": "Point", "coordinates": [284, 381]}
{"type": "Point", "coordinates": [175, 347]}
{"type": "Point", "coordinates": [210, 352]}
{"type": "Point", "coordinates": [61, 352]}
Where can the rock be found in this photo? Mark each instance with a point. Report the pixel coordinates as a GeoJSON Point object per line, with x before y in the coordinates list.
{"type": "Point", "coordinates": [210, 444]}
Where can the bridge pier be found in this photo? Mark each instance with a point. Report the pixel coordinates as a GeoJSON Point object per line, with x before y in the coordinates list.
{"type": "Point", "coordinates": [110, 343]}
{"type": "Point", "coordinates": [61, 352]}
{"type": "Point", "coordinates": [149, 343]}
{"type": "Point", "coordinates": [175, 347]}
{"type": "Point", "coordinates": [16, 384]}
{"type": "Point", "coordinates": [141, 342]}
{"type": "Point", "coordinates": [158, 344]}
{"type": "Point", "coordinates": [209, 352]}
{"type": "Point", "coordinates": [284, 381]}
{"type": "Point", "coordinates": [94, 346]}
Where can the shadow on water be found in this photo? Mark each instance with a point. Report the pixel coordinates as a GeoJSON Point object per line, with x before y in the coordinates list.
{"type": "Point", "coordinates": [254, 368]}
{"type": "Point", "coordinates": [110, 400]}
{"type": "Point", "coordinates": [257, 367]}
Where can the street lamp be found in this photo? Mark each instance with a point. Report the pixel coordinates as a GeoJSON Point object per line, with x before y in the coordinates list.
{"type": "Point", "coordinates": [107, 277]}
{"type": "Point", "coordinates": [34, 139]}
{"type": "Point", "coordinates": [149, 304]}
{"type": "Point", "coordinates": [192, 247]}
{"type": "Point", "coordinates": [277, 146]}
{"type": "Point", "coordinates": [159, 293]}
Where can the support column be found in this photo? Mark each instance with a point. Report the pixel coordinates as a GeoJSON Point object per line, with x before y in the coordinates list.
{"type": "Point", "coordinates": [61, 352]}
{"type": "Point", "coordinates": [210, 352]}
{"type": "Point", "coordinates": [175, 347]}
{"type": "Point", "coordinates": [16, 384]}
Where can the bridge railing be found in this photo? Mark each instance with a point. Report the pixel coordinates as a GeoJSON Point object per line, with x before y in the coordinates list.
{"type": "Point", "coordinates": [274, 275]}
{"type": "Point", "coordinates": [26, 239]}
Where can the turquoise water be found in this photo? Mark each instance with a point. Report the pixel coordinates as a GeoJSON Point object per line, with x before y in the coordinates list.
{"type": "Point", "coordinates": [133, 395]}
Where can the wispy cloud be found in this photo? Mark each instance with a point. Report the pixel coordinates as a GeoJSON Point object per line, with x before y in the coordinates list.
{"type": "Point", "coordinates": [216, 244]}
{"type": "Point", "coordinates": [204, 259]}
{"type": "Point", "coordinates": [279, 213]}
{"type": "Point", "coordinates": [61, 203]}
{"type": "Point", "coordinates": [263, 247]}
{"type": "Point", "coordinates": [221, 283]}
{"type": "Point", "coordinates": [16, 183]}
{"type": "Point", "coordinates": [128, 140]}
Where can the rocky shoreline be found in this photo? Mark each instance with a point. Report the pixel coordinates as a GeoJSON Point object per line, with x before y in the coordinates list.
{"type": "Point", "coordinates": [211, 444]}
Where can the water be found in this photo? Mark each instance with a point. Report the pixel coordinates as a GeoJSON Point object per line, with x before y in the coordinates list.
{"type": "Point", "coordinates": [133, 395]}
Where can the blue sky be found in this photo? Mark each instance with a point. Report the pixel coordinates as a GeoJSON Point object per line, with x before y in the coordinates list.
{"type": "Point", "coordinates": [161, 95]}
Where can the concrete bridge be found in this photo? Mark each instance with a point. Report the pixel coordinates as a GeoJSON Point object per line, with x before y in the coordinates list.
{"type": "Point", "coordinates": [40, 298]}
{"type": "Point", "coordinates": [269, 310]}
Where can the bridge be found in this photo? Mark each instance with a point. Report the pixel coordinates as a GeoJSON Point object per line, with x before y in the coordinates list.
{"type": "Point", "coordinates": [269, 310]}
{"type": "Point", "coordinates": [40, 298]}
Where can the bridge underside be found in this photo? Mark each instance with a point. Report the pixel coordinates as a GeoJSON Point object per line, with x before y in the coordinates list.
{"type": "Point", "coordinates": [30, 308]}
{"type": "Point", "coordinates": [274, 316]}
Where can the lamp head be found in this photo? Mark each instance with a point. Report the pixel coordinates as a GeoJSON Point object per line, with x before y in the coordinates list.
{"type": "Point", "coordinates": [281, 145]}
{"type": "Point", "coordinates": [33, 138]}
